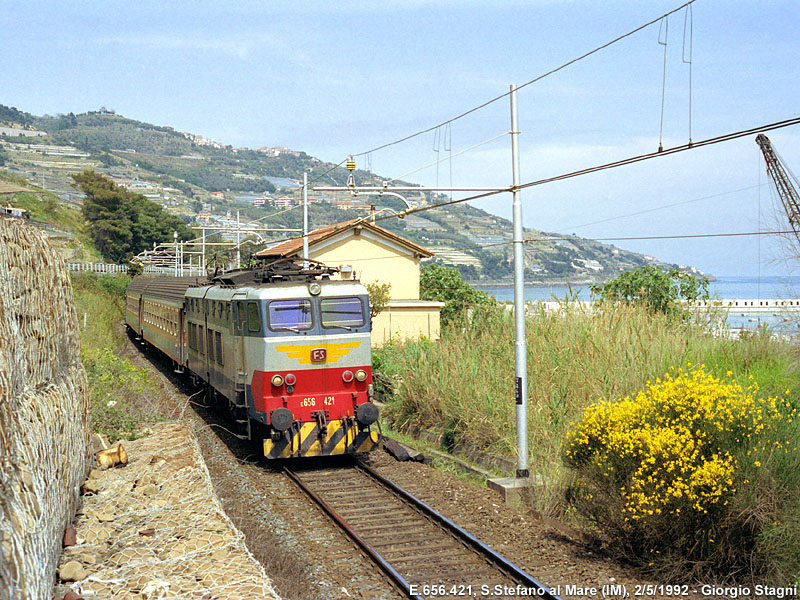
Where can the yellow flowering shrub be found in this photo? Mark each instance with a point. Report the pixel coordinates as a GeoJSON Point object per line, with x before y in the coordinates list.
{"type": "Point", "coordinates": [659, 473]}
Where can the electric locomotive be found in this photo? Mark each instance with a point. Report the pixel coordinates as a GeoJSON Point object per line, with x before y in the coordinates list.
{"type": "Point", "coordinates": [284, 349]}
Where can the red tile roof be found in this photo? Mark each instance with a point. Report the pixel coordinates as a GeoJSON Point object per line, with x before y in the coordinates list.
{"type": "Point", "coordinates": [295, 246]}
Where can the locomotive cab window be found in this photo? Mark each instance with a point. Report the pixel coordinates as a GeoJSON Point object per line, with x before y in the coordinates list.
{"type": "Point", "coordinates": [289, 315]}
{"type": "Point", "coordinates": [342, 313]}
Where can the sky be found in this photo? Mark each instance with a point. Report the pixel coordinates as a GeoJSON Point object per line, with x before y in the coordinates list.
{"type": "Point", "coordinates": [334, 79]}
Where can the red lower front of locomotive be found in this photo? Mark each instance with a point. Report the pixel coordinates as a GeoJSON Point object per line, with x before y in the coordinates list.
{"type": "Point", "coordinates": [336, 392]}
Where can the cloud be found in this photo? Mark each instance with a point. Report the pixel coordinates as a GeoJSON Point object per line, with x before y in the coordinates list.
{"type": "Point", "coordinates": [242, 47]}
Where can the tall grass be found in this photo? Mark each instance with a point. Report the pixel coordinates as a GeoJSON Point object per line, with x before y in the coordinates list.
{"type": "Point", "coordinates": [121, 395]}
{"type": "Point", "coordinates": [462, 386]}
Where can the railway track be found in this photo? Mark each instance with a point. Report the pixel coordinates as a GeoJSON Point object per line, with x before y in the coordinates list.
{"type": "Point", "coordinates": [423, 553]}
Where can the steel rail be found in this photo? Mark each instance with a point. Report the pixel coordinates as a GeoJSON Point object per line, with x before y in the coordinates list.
{"type": "Point", "coordinates": [475, 543]}
{"type": "Point", "coordinates": [396, 578]}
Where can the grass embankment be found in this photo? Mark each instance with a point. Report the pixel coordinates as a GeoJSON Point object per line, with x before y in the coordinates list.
{"type": "Point", "coordinates": [462, 387]}
{"type": "Point", "coordinates": [122, 395]}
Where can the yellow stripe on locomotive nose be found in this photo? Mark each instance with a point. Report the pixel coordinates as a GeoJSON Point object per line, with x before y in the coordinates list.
{"type": "Point", "coordinates": [302, 352]}
{"type": "Point", "coordinates": [335, 440]}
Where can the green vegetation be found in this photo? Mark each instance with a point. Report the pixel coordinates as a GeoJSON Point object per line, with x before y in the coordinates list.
{"type": "Point", "coordinates": [445, 285]}
{"type": "Point", "coordinates": [127, 148]}
{"type": "Point", "coordinates": [654, 288]}
{"type": "Point", "coordinates": [121, 394]}
{"type": "Point", "coordinates": [122, 223]}
{"type": "Point", "coordinates": [378, 297]}
{"type": "Point", "coordinates": [677, 475]}
{"type": "Point", "coordinates": [462, 387]}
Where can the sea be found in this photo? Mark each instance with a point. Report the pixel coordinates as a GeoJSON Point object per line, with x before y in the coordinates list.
{"type": "Point", "coordinates": [723, 288]}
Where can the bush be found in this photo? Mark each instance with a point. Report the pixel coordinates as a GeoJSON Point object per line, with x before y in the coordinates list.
{"type": "Point", "coordinates": [116, 388]}
{"type": "Point", "coordinates": [651, 286]}
{"type": "Point", "coordinates": [677, 477]}
{"type": "Point", "coordinates": [445, 285]}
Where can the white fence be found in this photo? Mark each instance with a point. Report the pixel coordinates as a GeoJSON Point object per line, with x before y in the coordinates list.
{"type": "Point", "coordinates": [74, 267]}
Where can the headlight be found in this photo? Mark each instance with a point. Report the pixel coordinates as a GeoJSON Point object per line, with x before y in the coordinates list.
{"type": "Point", "coordinates": [361, 375]}
{"type": "Point", "coordinates": [277, 380]}
{"type": "Point", "coordinates": [314, 288]}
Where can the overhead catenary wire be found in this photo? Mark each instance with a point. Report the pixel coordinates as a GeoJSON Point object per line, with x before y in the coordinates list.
{"type": "Point", "coordinates": [612, 165]}
{"type": "Point", "coordinates": [527, 83]}
{"type": "Point", "coordinates": [623, 162]}
{"type": "Point", "coordinates": [436, 162]}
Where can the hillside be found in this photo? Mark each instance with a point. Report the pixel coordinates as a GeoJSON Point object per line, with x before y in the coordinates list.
{"type": "Point", "coordinates": [207, 182]}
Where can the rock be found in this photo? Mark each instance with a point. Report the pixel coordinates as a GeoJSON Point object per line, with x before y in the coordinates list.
{"type": "Point", "coordinates": [88, 559]}
{"type": "Point", "coordinates": [95, 533]}
{"type": "Point", "coordinates": [155, 590]}
{"type": "Point", "coordinates": [72, 571]}
{"type": "Point", "coordinates": [92, 486]}
{"type": "Point", "coordinates": [72, 596]}
{"type": "Point", "coordinates": [70, 537]}
{"type": "Point", "coordinates": [396, 450]}
{"type": "Point", "coordinates": [147, 532]}
{"type": "Point", "coordinates": [148, 490]}
{"type": "Point", "coordinates": [104, 516]}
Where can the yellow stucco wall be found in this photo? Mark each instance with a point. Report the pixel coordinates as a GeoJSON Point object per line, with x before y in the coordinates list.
{"type": "Point", "coordinates": [372, 261]}
{"type": "Point", "coordinates": [407, 320]}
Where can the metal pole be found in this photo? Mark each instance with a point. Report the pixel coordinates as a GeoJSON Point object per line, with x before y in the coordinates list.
{"type": "Point", "coordinates": [305, 219]}
{"type": "Point", "coordinates": [238, 251]}
{"type": "Point", "coordinates": [203, 254]}
{"type": "Point", "coordinates": [520, 352]}
{"type": "Point", "coordinates": [175, 239]}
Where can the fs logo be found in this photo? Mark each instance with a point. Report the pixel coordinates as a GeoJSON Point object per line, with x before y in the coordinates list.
{"type": "Point", "coordinates": [319, 355]}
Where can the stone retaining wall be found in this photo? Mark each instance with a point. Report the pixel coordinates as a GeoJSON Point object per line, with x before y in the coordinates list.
{"type": "Point", "coordinates": [44, 411]}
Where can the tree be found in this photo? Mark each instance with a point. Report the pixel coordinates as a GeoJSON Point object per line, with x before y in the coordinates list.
{"type": "Point", "coordinates": [651, 286]}
{"type": "Point", "coordinates": [446, 285]}
{"type": "Point", "coordinates": [378, 297]}
{"type": "Point", "coordinates": [123, 223]}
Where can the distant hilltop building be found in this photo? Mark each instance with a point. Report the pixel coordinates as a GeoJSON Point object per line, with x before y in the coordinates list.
{"type": "Point", "coordinates": [276, 152]}
{"type": "Point", "coordinates": [201, 141]}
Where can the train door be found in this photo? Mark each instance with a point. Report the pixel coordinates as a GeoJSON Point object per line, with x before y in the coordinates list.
{"type": "Point", "coordinates": [140, 324]}
{"type": "Point", "coordinates": [239, 331]}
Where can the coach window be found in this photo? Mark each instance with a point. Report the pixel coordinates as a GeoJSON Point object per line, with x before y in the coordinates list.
{"type": "Point", "coordinates": [253, 318]}
{"type": "Point", "coordinates": [341, 313]}
{"type": "Point", "coordinates": [210, 344]}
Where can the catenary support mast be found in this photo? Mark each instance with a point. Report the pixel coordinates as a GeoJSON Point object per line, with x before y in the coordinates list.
{"type": "Point", "coordinates": [520, 352]}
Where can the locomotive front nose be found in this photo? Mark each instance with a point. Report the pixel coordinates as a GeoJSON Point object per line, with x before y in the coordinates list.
{"type": "Point", "coordinates": [367, 413]}
{"type": "Point", "coordinates": [281, 418]}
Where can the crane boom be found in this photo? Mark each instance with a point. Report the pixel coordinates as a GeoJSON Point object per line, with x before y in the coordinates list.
{"type": "Point", "coordinates": [780, 176]}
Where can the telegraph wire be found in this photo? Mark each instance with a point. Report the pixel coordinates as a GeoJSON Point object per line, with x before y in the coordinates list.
{"type": "Point", "coordinates": [527, 83]}
{"type": "Point", "coordinates": [664, 206]}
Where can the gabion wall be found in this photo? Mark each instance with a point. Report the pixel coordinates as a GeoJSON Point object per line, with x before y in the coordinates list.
{"type": "Point", "coordinates": [44, 411]}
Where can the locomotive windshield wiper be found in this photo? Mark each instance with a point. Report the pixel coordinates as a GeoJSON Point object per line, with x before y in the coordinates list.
{"type": "Point", "coordinates": [295, 329]}
{"type": "Point", "coordinates": [336, 326]}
